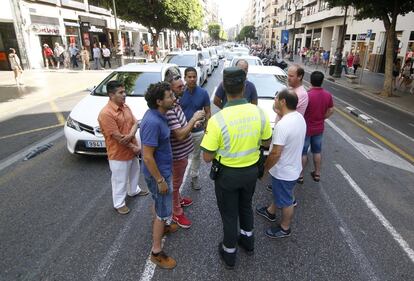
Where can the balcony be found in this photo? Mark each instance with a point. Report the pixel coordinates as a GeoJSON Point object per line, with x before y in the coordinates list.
{"type": "Point", "coordinates": [323, 15]}
{"type": "Point", "coordinates": [73, 4]}
{"type": "Point", "coordinates": [308, 2]}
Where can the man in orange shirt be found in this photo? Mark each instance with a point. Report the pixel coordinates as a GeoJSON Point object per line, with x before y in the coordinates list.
{"type": "Point", "coordinates": [119, 126]}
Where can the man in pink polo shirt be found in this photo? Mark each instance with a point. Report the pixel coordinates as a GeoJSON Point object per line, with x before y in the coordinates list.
{"type": "Point", "coordinates": [320, 107]}
{"type": "Point", "coordinates": [295, 77]}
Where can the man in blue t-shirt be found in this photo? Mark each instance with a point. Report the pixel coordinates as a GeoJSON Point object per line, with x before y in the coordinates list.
{"type": "Point", "coordinates": [157, 156]}
{"type": "Point", "coordinates": [250, 93]}
{"type": "Point", "coordinates": [194, 99]}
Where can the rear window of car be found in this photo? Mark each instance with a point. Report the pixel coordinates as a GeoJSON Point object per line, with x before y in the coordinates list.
{"type": "Point", "coordinates": [267, 85]}
{"type": "Point", "coordinates": [181, 60]}
{"type": "Point", "coordinates": [249, 61]}
{"type": "Point", "coordinates": [136, 83]}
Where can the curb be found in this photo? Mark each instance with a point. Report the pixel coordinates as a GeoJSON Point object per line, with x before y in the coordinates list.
{"type": "Point", "coordinates": [359, 115]}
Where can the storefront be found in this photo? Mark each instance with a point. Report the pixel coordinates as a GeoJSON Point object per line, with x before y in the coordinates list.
{"type": "Point", "coordinates": [7, 40]}
{"type": "Point", "coordinates": [93, 31]}
{"type": "Point", "coordinates": [72, 33]}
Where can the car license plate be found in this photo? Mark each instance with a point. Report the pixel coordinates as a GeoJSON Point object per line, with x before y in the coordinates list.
{"type": "Point", "coordinates": [95, 144]}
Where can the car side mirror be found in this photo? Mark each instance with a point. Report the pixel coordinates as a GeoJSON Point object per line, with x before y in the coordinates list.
{"type": "Point", "coordinates": [90, 89]}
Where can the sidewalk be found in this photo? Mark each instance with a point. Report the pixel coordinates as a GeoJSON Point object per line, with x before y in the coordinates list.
{"type": "Point", "coordinates": [371, 86]}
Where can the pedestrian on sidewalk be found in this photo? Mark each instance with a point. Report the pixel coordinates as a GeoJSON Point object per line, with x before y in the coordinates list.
{"type": "Point", "coordinates": [74, 55]}
{"type": "Point", "coordinates": [58, 52]}
{"type": "Point", "coordinates": [16, 66]}
{"type": "Point", "coordinates": [119, 127]}
{"type": "Point", "coordinates": [284, 162]}
{"type": "Point", "coordinates": [84, 54]}
{"type": "Point", "coordinates": [66, 57]}
{"type": "Point", "coordinates": [182, 146]}
{"type": "Point", "coordinates": [350, 60]}
{"type": "Point", "coordinates": [48, 56]}
{"type": "Point", "coordinates": [320, 107]}
{"type": "Point", "coordinates": [96, 56]}
{"type": "Point", "coordinates": [344, 63]}
{"type": "Point", "coordinates": [194, 99]}
{"type": "Point", "coordinates": [158, 159]}
{"type": "Point", "coordinates": [396, 68]}
{"type": "Point", "coordinates": [106, 54]}
{"type": "Point", "coordinates": [234, 149]}
{"type": "Point", "coordinates": [406, 75]}
{"type": "Point", "coordinates": [356, 62]}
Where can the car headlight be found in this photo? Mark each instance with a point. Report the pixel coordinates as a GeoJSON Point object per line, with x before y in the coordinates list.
{"type": "Point", "coordinates": [73, 124]}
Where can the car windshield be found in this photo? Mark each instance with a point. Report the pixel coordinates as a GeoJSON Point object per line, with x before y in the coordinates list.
{"type": "Point", "coordinates": [181, 60]}
{"type": "Point", "coordinates": [136, 83]}
{"type": "Point", "coordinates": [249, 61]}
{"type": "Point", "coordinates": [267, 85]}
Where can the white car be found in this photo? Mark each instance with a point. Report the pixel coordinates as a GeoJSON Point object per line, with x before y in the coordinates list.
{"type": "Point", "coordinates": [242, 50]}
{"type": "Point", "coordinates": [82, 132]}
{"type": "Point", "coordinates": [268, 80]}
{"type": "Point", "coordinates": [251, 60]}
{"type": "Point", "coordinates": [214, 56]}
{"type": "Point", "coordinates": [207, 61]}
{"type": "Point", "coordinates": [220, 51]}
{"type": "Point", "coordinates": [189, 59]}
{"type": "Point", "coordinates": [229, 58]}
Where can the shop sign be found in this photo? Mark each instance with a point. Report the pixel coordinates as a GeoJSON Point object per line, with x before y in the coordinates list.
{"type": "Point", "coordinates": [361, 36]}
{"type": "Point", "coordinates": [45, 29]}
{"type": "Point", "coordinates": [95, 29]}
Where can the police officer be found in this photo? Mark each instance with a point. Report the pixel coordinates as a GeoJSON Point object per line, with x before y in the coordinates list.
{"type": "Point", "coordinates": [232, 142]}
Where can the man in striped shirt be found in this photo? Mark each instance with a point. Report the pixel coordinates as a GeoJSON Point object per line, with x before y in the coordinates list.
{"type": "Point", "coordinates": [182, 146]}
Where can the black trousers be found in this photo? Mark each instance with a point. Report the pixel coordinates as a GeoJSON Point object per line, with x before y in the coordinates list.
{"type": "Point", "coordinates": [234, 191]}
{"type": "Point", "coordinates": [107, 60]}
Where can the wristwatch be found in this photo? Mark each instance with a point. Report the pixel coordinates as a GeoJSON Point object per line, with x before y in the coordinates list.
{"type": "Point", "coordinates": [161, 180]}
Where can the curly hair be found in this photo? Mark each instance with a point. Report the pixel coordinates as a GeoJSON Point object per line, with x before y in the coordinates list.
{"type": "Point", "coordinates": [156, 92]}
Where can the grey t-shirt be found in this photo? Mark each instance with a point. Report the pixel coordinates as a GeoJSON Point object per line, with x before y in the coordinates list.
{"type": "Point", "coordinates": [96, 53]}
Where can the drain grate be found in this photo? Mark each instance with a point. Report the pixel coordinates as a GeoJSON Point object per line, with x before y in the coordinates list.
{"type": "Point", "coordinates": [38, 150]}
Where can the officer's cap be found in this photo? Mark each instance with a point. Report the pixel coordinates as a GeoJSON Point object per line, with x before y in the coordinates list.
{"type": "Point", "coordinates": [233, 76]}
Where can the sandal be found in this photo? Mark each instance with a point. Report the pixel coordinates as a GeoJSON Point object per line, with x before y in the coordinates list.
{"type": "Point", "coordinates": [315, 177]}
{"type": "Point", "coordinates": [300, 180]}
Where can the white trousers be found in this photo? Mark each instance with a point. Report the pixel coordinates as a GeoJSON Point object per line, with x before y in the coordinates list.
{"type": "Point", "coordinates": [195, 155]}
{"type": "Point", "coordinates": [125, 178]}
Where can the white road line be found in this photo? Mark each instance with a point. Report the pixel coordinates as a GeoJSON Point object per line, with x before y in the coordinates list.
{"type": "Point", "coordinates": [411, 124]}
{"type": "Point", "coordinates": [382, 123]}
{"type": "Point", "coordinates": [22, 153]}
{"type": "Point", "coordinates": [109, 258]}
{"type": "Point", "coordinates": [356, 250]}
{"type": "Point", "coordinates": [347, 138]}
{"type": "Point", "coordinates": [397, 237]}
{"type": "Point", "coordinates": [212, 94]}
{"type": "Point", "coordinates": [149, 268]}
{"type": "Point", "coordinates": [335, 88]}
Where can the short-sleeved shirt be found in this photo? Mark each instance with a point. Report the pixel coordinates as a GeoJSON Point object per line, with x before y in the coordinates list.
{"type": "Point", "coordinates": [302, 99]}
{"type": "Point", "coordinates": [194, 101]}
{"type": "Point", "coordinates": [250, 92]}
{"type": "Point", "coordinates": [96, 53]}
{"type": "Point", "coordinates": [234, 134]}
{"type": "Point", "coordinates": [154, 132]}
{"type": "Point", "coordinates": [176, 120]}
{"type": "Point", "coordinates": [117, 119]}
{"type": "Point", "coordinates": [290, 133]}
{"type": "Point", "coordinates": [320, 101]}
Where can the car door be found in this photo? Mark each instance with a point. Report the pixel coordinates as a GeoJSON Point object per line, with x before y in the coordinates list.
{"type": "Point", "coordinates": [203, 66]}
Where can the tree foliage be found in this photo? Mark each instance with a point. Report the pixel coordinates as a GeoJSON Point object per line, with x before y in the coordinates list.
{"type": "Point", "coordinates": [387, 11]}
{"type": "Point", "coordinates": [214, 30]}
{"type": "Point", "coordinates": [246, 32]}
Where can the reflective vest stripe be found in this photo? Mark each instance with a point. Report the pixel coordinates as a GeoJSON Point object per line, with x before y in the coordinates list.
{"type": "Point", "coordinates": [226, 137]}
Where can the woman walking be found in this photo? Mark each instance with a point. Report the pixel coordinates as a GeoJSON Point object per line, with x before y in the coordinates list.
{"type": "Point", "coordinates": [85, 58]}
{"type": "Point", "coordinates": [16, 66]}
{"type": "Point", "coordinates": [356, 62]}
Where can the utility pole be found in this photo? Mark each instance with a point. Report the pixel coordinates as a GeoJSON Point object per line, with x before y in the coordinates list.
{"type": "Point", "coordinates": [18, 27]}
{"type": "Point", "coordinates": [340, 48]}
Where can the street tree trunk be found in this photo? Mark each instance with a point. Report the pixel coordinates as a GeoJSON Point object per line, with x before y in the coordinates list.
{"type": "Point", "coordinates": [187, 37]}
{"type": "Point", "coordinates": [389, 53]}
{"type": "Point", "coordinates": [155, 37]}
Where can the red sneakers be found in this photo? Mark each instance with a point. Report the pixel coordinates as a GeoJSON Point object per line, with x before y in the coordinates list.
{"type": "Point", "coordinates": [185, 202]}
{"type": "Point", "coordinates": [182, 220]}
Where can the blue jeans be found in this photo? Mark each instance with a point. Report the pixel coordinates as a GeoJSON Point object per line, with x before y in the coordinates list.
{"type": "Point", "coordinates": [162, 202]}
{"type": "Point", "coordinates": [315, 143]}
{"type": "Point", "coordinates": [97, 63]}
{"type": "Point", "coordinates": [282, 192]}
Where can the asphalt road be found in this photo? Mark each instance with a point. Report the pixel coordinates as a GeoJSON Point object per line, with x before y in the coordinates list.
{"type": "Point", "coordinates": [57, 220]}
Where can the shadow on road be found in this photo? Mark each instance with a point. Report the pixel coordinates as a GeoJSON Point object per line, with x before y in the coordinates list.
{"type": "Point", "coordinates": [11, 91]}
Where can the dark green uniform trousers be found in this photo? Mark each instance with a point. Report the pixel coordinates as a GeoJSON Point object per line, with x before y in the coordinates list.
{"type": "Point", "coordinates": [234, 191]}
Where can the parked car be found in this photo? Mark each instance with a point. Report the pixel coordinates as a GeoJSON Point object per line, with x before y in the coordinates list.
{"type": "Point", "coordinates": [269, 80]}
{"type": "Point", "coordinates": [242, 50]}
{"type": "Point", "coordinates": [220, 51]}
{"type": "Point", "coordinates": [251, 60]}
{"type": "Point", "coordinates": [82, 132]}
{"type": "Point", "coordinates": [207, 60]}
{"type": "Point", "coordinates": [190, 58]}
{"type": "Point", "coordinates": [229, 57]}
{"type": "Point", "coordinates": [214, 57]}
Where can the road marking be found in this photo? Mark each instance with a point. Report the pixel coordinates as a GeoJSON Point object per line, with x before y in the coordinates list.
{"type": "Point", "coordinates": [397, 237]}
{"type": "Point", "coordinates": [212, 94]}
{"type": "Point", "coordinates": [57, 112]}
{"type": "Point", "coordinates": [379, 137]}
{"type": "Point", "coordinates": [356, 250]}
{"type": "Point", "coordinates": [49, 255]}
{"type": "Point", "coordinates": [22, 153]}
{"type": "Point", "coordinates": [149, 268]}
{"type": "Point", "coordinates": [411, 124]}
{"type": "Point", "coordinates": [31, 131]}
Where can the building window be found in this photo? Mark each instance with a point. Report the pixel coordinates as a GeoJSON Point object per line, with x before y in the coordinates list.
{"type": "Point", "coordinates": [354, 37]}
{"type": "Point", "coordinates": [323, 5]}
{"type": "Point", "coordinates": [96, 3]}
{"type": "Point", "coordinates": [412, 36]}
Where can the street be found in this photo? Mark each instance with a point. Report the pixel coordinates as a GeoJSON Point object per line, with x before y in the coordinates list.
{"type": "Point", "coordinates": [58, 223]}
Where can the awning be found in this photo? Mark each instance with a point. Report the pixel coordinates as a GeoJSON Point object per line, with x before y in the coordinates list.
{"type": "Point", "coordinates": [68, 23]}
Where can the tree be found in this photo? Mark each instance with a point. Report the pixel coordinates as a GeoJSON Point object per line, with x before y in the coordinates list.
{"type": "Point", "coordinates": [246, 32]}
{"type": "Point", "coordinates": [187, 16]}
{"type": "Point", "coordinates": [155, 15]}
{"type": "Point", "coordinates": [387, 11]}
{"type": "Point", "coordinates": [214, 30]}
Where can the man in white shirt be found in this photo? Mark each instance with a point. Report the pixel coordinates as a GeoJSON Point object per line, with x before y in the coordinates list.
{"type": "Point", "coordinates": [106, 54]}
{"type": "Point", "coordinates": [284, 162]}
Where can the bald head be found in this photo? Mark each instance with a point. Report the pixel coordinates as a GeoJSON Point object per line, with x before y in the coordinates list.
{"type": "Point", "coordinates": [295, 75]}
{"type": "Point", "coordinates": [243, 64]}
